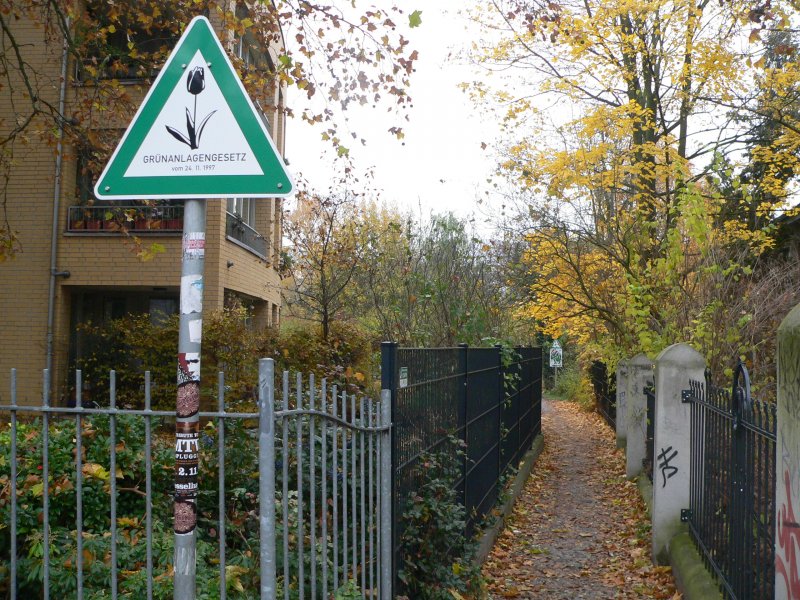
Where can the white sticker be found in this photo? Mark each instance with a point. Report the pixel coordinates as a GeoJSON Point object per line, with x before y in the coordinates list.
{"type": "Point", "coordinates": [194, 244]}
{"type": "Point", "coordinates": [191, 294]}
{"type": "Point", "coordinates": [188, 367]}
{"type": "Point", "coordinates": [196, 331]}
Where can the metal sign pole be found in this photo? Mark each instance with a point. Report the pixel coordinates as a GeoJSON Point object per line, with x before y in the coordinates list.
{"type": "Point", "coordinates": [187, 421]}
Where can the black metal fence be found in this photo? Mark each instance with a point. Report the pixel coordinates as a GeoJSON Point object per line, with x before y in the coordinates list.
{"type": "Point", "coordinates": [649, 440]}
{"type": "Point", "coordinates": [605, 391]}
{"type": "Point", "coordinates": [732, 490]}
{"type": "Point", "coordinates": [488, 400]}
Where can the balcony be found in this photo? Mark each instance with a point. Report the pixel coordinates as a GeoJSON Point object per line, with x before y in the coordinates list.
{"type": "Point", "coordinates": [241, 234]}
{"type": "Point", "coordinates": [117, 218]}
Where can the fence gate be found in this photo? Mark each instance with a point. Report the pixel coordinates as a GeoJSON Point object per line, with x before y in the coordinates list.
{"type": "Point", "coordinates": [330, 457]}
{"type": "Point", "coordinates": [732, 489]}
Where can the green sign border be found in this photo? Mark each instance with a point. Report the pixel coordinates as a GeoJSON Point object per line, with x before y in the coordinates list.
{"type": "Point", "coordinates": [275, 182]}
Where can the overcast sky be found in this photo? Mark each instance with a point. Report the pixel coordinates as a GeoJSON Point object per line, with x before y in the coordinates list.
{"type": "Point", "coordinates": [440, 165]}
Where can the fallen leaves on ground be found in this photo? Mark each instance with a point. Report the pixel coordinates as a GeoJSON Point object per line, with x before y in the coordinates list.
{"type": "Point", "coordinates": [579, 529]}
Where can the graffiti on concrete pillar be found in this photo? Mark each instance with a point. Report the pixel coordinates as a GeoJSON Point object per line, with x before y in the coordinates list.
{"type": "Point", "coordinates": [788, 540]}
{"type": "Point", "coordinates": [667, 470]}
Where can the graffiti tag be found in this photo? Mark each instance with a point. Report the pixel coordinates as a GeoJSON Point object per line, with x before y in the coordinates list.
{"type": "Point", "coordinates": [667, 470]}
{"type": "Point", "coordinates": [788, 540]}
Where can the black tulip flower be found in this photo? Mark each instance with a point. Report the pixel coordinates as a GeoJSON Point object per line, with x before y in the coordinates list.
{"type": "Point", "coordinates": [196, 81]}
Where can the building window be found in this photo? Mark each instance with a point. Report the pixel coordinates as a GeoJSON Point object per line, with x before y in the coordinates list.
{"type": "Point", "coordinates": [244, 209]}
{"type": "Point", "coordinates": [161, 309]}
{"type": "Point", "coordinates": [128, 40]}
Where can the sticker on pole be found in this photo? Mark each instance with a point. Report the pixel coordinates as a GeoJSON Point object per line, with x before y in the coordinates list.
{"type": "Point", "coordinates": [197, 134]}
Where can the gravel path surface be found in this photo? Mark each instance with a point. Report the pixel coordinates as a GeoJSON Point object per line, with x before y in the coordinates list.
{"type": "Point", "coordinates": [579, 529]}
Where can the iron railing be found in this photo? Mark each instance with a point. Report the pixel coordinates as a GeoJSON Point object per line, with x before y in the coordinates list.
{"type": "Point", "coordinates": [105, 521]}
{"type": "Point", "coordinates": [332, 475]}
{"type": "Point", "coordinates": [605, 392]}
{"type": "Point", "coordinates": [649, 440]}
{"type": "Point", "coordinates": [732, 489]}
{"type": "Point", "coordinates": [89, 525]}
{"type": "Point", "coordinates": [493, 407]}
{"type": "Point", "coordinates": [241, 233]}
{"type": "Point", "coordinates": [115, 218]}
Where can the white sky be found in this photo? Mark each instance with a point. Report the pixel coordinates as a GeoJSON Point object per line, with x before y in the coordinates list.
{"type": "Point", "coordinates": [440, 165]}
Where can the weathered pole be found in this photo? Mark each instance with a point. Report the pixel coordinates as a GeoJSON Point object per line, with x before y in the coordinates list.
{"type": "Point", "coordinates": [187, 421]}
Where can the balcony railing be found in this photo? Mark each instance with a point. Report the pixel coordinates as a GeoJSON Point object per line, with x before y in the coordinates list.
{"type": "Point", "coordinates": [244, 235]}
{"type": "Point", "coordinates": [121, 217]}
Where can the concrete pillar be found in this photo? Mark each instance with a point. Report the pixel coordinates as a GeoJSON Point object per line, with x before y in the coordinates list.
{"type": "Point", "coordinates": [675, 366]}
{"type": "Point", "coordinates": [640, 373]}
{"type": "Point", "coordinates": [622, 382]}
{"type": "Point", "coordinates": [787, 469]}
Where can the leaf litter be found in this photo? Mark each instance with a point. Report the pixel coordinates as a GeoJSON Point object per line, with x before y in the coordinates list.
{"type": "Point", "coordinates": [579, 530]}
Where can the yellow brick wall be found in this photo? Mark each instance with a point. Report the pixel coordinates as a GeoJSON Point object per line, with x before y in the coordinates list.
{"type": "Point", "coordinates": [24, 281]}
{"type": "Point", "coordinates": [93, 260]}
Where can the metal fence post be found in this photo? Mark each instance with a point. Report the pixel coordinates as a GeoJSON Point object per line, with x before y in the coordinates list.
{"type": "Point", "coordinates": [389, 508]}
{"type": "Point", "coordinates": [500, 403]}
{"type": "Point", "coordinates": [13, 495]}
{"type": "Point", "coordinates": [266, 475]}
{"type": "Point", "coordinates": [386, 483]}
{"type": "Point", "coordinates": [463, 425]}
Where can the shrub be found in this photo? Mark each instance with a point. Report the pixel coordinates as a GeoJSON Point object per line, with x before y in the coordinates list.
{"type": "Point", "coordinates": [438, 559]}
{"type": "Point", "coordinates": [241, 509]}
{"type": "Point", "coordinates": [133, 344]}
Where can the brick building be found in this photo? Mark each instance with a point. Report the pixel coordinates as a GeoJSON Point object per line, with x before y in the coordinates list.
{"type": "Point", "coordinates": [74, 264]}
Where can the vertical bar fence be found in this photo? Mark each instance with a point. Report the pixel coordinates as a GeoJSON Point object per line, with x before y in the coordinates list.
{"type": "Point", "coordinates": [335, 467]}
{"type": "Point", "coordinates": [86, 491]}
{"type": "Point", "coordinates": [487, 399]}
{"type": "Point", "coordinates": [732, 489]}
{"type": "Point", "coordinates": [649, 440]}
{"type": "Point", "coordinates": [331, 511]}
{"type": "Point", "coordinates": [605, 392]}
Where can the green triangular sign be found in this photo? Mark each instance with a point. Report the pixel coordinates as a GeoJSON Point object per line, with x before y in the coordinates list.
{"type": "Point", "coordinates": [196, 134]}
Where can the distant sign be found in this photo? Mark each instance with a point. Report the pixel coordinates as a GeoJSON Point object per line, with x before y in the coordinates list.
{"type": "Point", "coordinates": [556, 358]}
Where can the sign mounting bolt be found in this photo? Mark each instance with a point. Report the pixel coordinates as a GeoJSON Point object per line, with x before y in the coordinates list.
{"type": "Point", "coordinates": [183, 66]}
{"type": "Point", "coordinates": [108, 187]}
{"type": "Point", "coordinates": [208, 64]}
{"type": "Point", "coordinates": [280, 186]}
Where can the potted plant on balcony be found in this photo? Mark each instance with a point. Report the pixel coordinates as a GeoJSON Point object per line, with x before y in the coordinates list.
{"type": "Point", "coordinates": [141, 223]}
{"type": "Point", "coordinates": [111, 221]}
{"type": "Point", "coordinates": [176, 224]}
{"type": "Point", "coordinates": [76, 221]}
{"type": "Point", "coordinates": [93, 221]}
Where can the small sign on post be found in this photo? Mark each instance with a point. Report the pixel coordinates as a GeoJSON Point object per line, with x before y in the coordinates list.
{"type": "Point", "coordinates": [556, 355]}
{"type": "Point", "coordinates": [556, 359]}
{"type": "Point", "coordinates": [197, 135]}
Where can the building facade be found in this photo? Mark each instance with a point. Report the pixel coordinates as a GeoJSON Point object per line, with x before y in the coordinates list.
{"type": "Point", "coordinates": [79, 259]}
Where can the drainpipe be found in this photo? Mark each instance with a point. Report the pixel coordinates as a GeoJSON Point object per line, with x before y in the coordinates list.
{"type": "Point", "coordinates": [54, 272]}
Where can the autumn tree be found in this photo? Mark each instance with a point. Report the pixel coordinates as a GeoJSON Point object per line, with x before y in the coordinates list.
{"type": "Point", "coordinates": [435, 282]}
{"type": "Point", "coordinates": [322, 258]}
{"type": "Point", "coordinates": [113, 50]}
{"type": "Point", "coordinates": [632, 115]}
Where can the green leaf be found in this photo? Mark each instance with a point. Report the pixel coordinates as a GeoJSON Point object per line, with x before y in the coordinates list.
{"type": "Point", "coordinates": [415, 19]}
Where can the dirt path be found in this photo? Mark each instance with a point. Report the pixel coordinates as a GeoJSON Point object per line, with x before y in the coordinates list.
{"type": "Point", "coordinates": [579, 529]}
